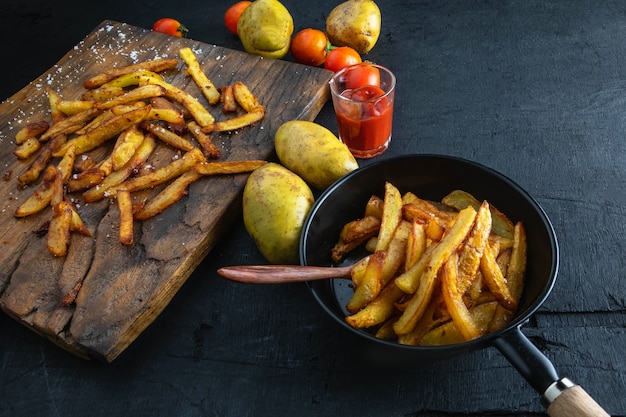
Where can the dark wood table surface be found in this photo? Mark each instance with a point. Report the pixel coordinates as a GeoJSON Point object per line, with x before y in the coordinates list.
{"type": "Point", "coordinates": [533, 89]}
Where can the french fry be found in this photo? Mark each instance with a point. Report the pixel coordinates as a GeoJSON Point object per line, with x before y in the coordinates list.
{"type": "Point", "coordinates": [374, 207]}
{"type": "Point", "coordinates": [235, 123]}
{"type": "Point", "coordinates": [370, 285]}
{"type": "Point", "coordinates": [246, 99]}
{"type": "Point", "coordinates": [53, 100]}
{"type": "Point", "coordinates": [204, 84]}
{"type": "Point", "coordinates": [353, 234]}
{"type": "Point", "coordinates": [494, 279]}
{"type": "Point", "coordinates": [228, 167]}
{"type": "Point", "coordinates": [163, 174]}
{"type": "Point", "coordinates": [129, 141]}
{"type": "Point", "coordinates": [156, 65]}
{"type": "Point", "coordinates": [167, 136]}
{"type": "Point", "coordinates": [197, 110]}
{"type": "Point", "coordinates": [229, 104]}
{"type": "Point", "coordinates": [454, 300]}
{"type": "Point", "coordinates": [459, 199]}
{"type": "Point", "coordinates": [31, 130]}
{"type": "Point", "coordinates": [395, 253]}
{"type": "Point", "coordinates": [473, 249]}
{"type": "Point", "coordinates": [377, 311]}
{"type": "Point", "coordinates": [448, 333]}
{"type": "Point", "coordinates": [95, 122]}
{"type": "Point", "coordinates": [125, 206]}
{"type": "Point", "coordinates": [70, 124]}
{"type": "Point", "coordinates": [117, 177]}
{"type": "Point", "coordinates": [59, 230]}
{"type": "Point", "coordinates": [168, 196]}
{"type": "Point", "coordinates": [71, 107]}
{"type": "Point", "coordinates": [105, 131]}
{"type": "Point", "coordinates": [39, 163]}
{"type": "Point", "coordinates": [517, 264]}
{"type": "Point", "coordinates": [208, 147]}
{"type": "Point", "coordinates": [85, 180]}
{"type": "Point", "coordinates": [450, 243]}
{"type": "Point", "coordinates": [415, 246]}
{"type": "Point", "coordinates": [392, 215]}
{"type": "Point", "coordinates": [41, 197]}
{"type": "Point", "coordinates": [103, 93]}
{"type": "Point", "coordinates": [27, 148]}
{"type": "Point", "coordinates": [133, 78]}
{"type": "Point", "coordinates": [140, 93]}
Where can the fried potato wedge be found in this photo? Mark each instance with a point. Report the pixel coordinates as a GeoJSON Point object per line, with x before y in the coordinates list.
{"type": "Point", "coordinates": [167, 136]}
{"type": "Point", "coordinates": [205, 85]}
{"type": "Point", "coordinates": [156, 65]}
{"type": "Point", "coordinates": [58, 238]}
{"type": "Point", "coordinates": [168, 196]}
{"type": "Point", "coordinates": [31, 130]}
{"type": "Point", "coordinates": [125, 206]}
{"type": "Point", "coordinates": [228, 167]}
{"type": "Point", "coordinates": [459, 199]}
{"type": "Point", "coordinates": [235, 123]}
{"type": "Point", "coordinates": [244, 97]}
{"type": "Point", "coordinates": [370, 285]}
{"type": "Point", "coordinates": [392, 215]}
{"type": "Point", "coordinates": [27, 149]}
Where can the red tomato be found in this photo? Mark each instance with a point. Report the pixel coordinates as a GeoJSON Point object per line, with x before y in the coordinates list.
{"type": "Point", "coordinates": [231, 17]}
{"type": "Point", "coordinates": [367, 92]}
{"type": "Point", "coordinates": [170, 26]}
{"type": "Point", "coordinates": [362, 75]}
{"type": "Point", "coordinates": [341, 57]}
{"type": "Point", "coordinates": [309, 47]}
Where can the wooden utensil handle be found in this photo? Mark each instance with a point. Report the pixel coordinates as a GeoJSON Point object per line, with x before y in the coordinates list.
{"type": "Point", "coordinates": [575, 402]}
{"type": "Point", "coordinates": [276, 274]}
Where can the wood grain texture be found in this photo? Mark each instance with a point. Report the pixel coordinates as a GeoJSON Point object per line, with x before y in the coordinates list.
{"type": "Point", "coordinates": [125, 288]}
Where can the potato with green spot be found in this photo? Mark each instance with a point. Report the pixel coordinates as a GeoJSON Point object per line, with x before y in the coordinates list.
{"type": "Point", "coordinates": [313, 152]}
{"type": "Point", "coordinates": [276, 203]}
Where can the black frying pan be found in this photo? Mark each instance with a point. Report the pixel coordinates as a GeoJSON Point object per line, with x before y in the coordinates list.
{"type": "Point", "coordinates": [432, 177]}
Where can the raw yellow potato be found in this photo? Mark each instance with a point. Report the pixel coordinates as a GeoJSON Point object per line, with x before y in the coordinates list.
{"type": "Point", "coordinates": [354, 23]}
{"type": "Point", "coordinates": [265, 29]}
{"type": "Point", "coordinates": [313, 152]}
{"type": "Point", "coordinates": [275, 205]}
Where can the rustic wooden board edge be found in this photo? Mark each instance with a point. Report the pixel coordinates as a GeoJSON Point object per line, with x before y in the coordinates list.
{"type": "Point", "coordinates": [11, 106]}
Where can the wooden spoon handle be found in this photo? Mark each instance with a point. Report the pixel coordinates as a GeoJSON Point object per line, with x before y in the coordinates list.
{"type": "Point", "coordinates": [276, 274]}
{"type": "Point", "coordinates": [575, 402]}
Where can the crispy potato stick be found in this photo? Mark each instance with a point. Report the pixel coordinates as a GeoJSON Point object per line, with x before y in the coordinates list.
{"type": "Point", "coordinates": [105, 131]}
{"type": "Point", "coordinates": [70, 297]}
{"type": "Point", "coordinates": [197, 110]}
{"type": "Point", "coordinates": [171, 116]}
{"type": "Point", "coordinates": [370, 285]}
{"type": "Point", "coordinates": [170, 194]}
{"type": "Point", "coordinates": [59, 229]}
{"type": "Point", "coordinates": [128, 143]}
{"type": "Point", "coordinates": [208, 147]}
{"type": "Point", "coordinates": [517, 264]}
{"type": "Point", "coordinates": [204, 84]}
{"type": "Point", "coordinates": [246, 99]}
{"type": "Point", "coordinates": [85, 180]}
{"type": "Point", "coordinates": [379, 310]}
{"type": "Point", "coordinates": [374, 207]}
{"type": "Point", "coordinates": [39, 164]}
{"type": "Point", "coordinates": [415, 245]}
{"type": "Point", "coordinates": [458, 199]}
{"type": "Point", "coordinates": [27, 148]}
{"type": "Point", "coordinates": [229, 104]}
{"type": "Point", "coordinates": [70, 124]}
{"type": "Point", "coordinates": [234, 123]}
{"type": "Point", "coordinates": [442, 251]}
{"type": "Point", "coordinates": [156, 65]}
{"type": "Point", "coordinates": [396, 252]}
{"type": "Point", "coordinates": [77, 224]}
{"type": "Point", "coordinates": [168, 136]}
{"type": "Point", "coordinates": [163, 174]}
{"type": "Point", "coordinates": [494, 279]}
{"type": "Point", "coordinates": [117, 177]}
{"type": "Point", "coordinates": [427, 206]}
{"type": "Point", "coordinates": [414, 213]}
{"type": "Point", "coordinates": [448, 333]}
{"type": "Point", "coordinates": [454, 300]}
{"type": "Point", "coordinates": [95, 122]}
{"type": "Point", "coordinates": [353, 234]}
{"type": "Point", "coordinates": [358, 269]}
{"type": "Point", "coordinates": [132, 79]}
{"type": "Point", "coordinates": [58, 189]}
{"type": "Point", "coordinates": [472, 250]}
{"type": "Point", "coordinates": [41, 197]}
{"type": "Point", "coordinates": [228, 167]}
{"type": "Point", "coordinates": [71, 107]}
{"type": "Point", "coordinates": [125, 206]}
{"type": "Point", "coordinates": [53, 99]}
{"type": "Point", "coordinates": [31, 130]}
{"type": "Point", "coordinates": [140, 93]}
{"type": "Point", "coordinates": [392, 215]}
{"type": "Point", "coordinates": [103, 93]}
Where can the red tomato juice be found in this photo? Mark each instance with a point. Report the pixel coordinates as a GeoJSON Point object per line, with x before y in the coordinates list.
{"type": "Point", "coordinates": [365, 132]}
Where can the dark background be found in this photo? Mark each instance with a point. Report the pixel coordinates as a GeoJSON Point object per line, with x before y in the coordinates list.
{"type": "Point", "coordinates": [533, 89]}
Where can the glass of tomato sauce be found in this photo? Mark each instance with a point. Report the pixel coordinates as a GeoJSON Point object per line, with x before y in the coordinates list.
{"type": "Point", "coordinates": [363, 96]}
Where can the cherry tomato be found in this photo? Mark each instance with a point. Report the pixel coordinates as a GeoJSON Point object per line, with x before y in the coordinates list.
{"type": "Point", "coordinates": [341, 57]}
{"type": "Point", "coordinates": [309, 47]}
{"type": "Point", "coordinates": [170, 26]}
{"type": "Point", "coordinates": [362, 75]}
{"type": "Point", "coordinates": [231, 17]}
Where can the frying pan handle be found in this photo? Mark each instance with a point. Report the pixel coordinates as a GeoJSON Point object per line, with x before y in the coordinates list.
{"type": "Point", "coordinates": [561, 396]}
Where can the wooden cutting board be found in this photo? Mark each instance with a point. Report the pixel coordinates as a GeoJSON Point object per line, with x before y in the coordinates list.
{"type": "Point", "coordinates": [125, 288]}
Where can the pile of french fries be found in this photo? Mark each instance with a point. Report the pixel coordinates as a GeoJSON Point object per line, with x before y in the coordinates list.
{"type": "Point", "coordinates": [97, 145]}
{"type": "Point", "coordinates": [437, 273]}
